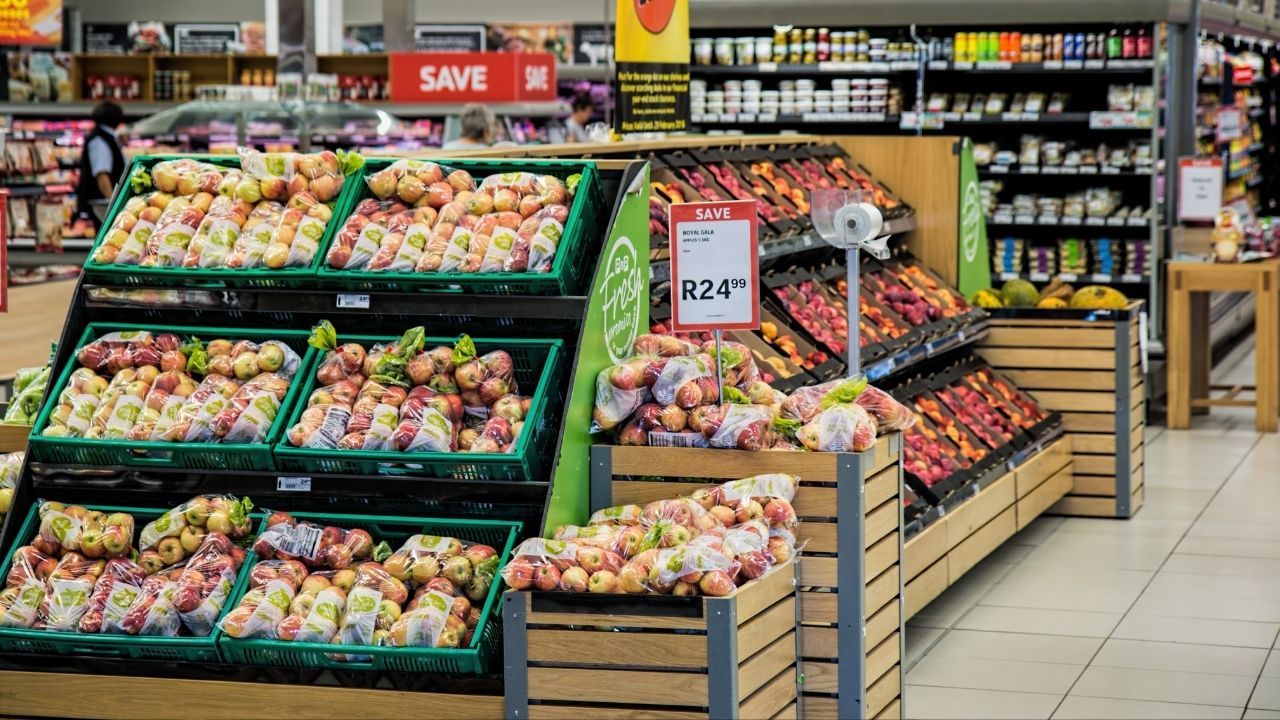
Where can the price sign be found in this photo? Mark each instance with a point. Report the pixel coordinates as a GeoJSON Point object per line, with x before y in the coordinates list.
{"type": "Point", "coordinates": [1199, 188]}
{"type": "Point", "coordinates": [1230, 123]}
{"type": "Point", "coordinates": [715, 266]}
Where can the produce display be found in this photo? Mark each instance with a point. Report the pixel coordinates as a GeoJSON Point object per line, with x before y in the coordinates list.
{"type": "Point", "coordinates": [404, 397]}
{"type": "Point", "coordinates": [270, 212]}
{"type": "Point", "coordinates": [1056, 295]}
{"type": "Point", "coordinates": [10, 469]}
{"type": "Point", "coordinates": [78, 574]}
{"type": "Point", "coordinates": [325, 584]}
{"type": "Point", "coordinates": [28, 390]}
{"type": "Point", "coordinates": [426, 218]}
{"type": "Point", "coordinates": [139, 386]}
{"type": "Point", "coordinates": [709, 543]}
{"type": "Point", "coordinates": [179, 533]}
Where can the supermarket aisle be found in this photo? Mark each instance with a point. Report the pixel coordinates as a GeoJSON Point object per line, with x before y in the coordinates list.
{"type": "Point", "coordinates": [1173, 614]}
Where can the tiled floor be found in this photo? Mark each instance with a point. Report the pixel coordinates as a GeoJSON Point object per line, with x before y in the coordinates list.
{"type": "Point", "coordinates": [1173, 614]}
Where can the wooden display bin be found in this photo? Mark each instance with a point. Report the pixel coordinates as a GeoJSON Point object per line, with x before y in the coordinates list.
{"type": "Point", "coordinates": [581, 655]}
{"type": "Point", "coordinates": [13, 437]}
{"type": "Point", "coordinates": [1087, 365]}
{"type": "Point", "coordinates": [981, 517]}
{"type": "Point", "coordinates": [851, 591]}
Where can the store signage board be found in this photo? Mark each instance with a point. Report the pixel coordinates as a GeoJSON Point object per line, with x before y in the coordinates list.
{"type": "Point", "coordinates": [651, 93]}
{"type": "Point", "coordinates": [431, 77]}
{"type": "Point", "coordinates": [1199, 188]}
{"type": "Point", "coordinates": [1241, 75]}
{"type": "Point", "coordinates": [592, 44]}
{"type": "Point", "coordinates": [1230, 123]}
{"type": "Point", "coordinates": [449, 38]}
{"type": "Point", "coordinates": [715, 266]}
{"type": "Point", "coordinates": [31, 22]}
{"type": "Point", "coordinates": [201, 38]}
{"type": "Point", "coordinates": [106, 37]}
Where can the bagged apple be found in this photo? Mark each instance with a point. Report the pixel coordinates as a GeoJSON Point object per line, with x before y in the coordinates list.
{"type": "Point", "coordinates": [217, 233]}
{"type": "Point", "coordinates": [114, 592]}
{"type": "Point", "coordinates": [687, 382]}
{"type": "Point", "coordinates": [193, 422]}
{"type": "Point", "coordinates": [320, 623]}
{"type": "Point", "coordinates": [842, 427]}
{"type": "Point", "coordinates": [537, 240]}
{"type": "Point", "coordinates": [540, 561]}
{"type": "Point", "coordinates": [340, 362]}
{"type": "Point", "coordinates": [167, 246]}
{"type": "Point", "coordinates": [255, 235]}
{"type": "Point", "coordinates": [325, 547]}
{"type": "Point", "coordinates": [430, 624]}
{"type": "Point", "coordinates": [766, 496]}
{"type": "Point", "coordinates": [10, 470]}
{"type": "Point", "coordinates": [205, 582]}
{"type": "Point", "coordinates": [152, 613]}
{"type": "Point", "coordinates": [707, 566]}
{"type": "Point", "coordinates": [498, 436]}
{"type": "Point", "coordinates": [29, 565]}
{"type": "Point", "coordinates": [620, 391]}
{"type": "Point", "coordinates": [430, 432]}
{"type": "Point", "coordinates": [164, 399]}
{"type": "Point", "coordinates": [134, 246]}
{"type": "Point", "coordinates": [77, 404]}
{"type": "Point", "coordinates": [889, 414]}
{"type": "Point", "coordinates": [126, 349]}
{"type": "Point", "coordinates": [483, 378]}
{"type": "Point", "coordinates": [419, 182]}
{"type": "Point", "coordinates": [251, 411]}
{"type": "Point", "coordinates": [469, 567]}
{"type": "Point", "coordinates": [122, 225]}
{"type": "Point", "coordinates": [68, 594]}
{"type": "Point", "coordinates": [20, 604]}
{"type": "Point", "coordinates": [740, 426]}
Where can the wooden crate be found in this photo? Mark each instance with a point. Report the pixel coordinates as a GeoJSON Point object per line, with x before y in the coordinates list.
{"type": "Point", "coordinates": [846, 586]}
{"type": "Point", "coordinates": [13, 437]}
{"type": "Point", "coordinates": [981, 517]}
{"type": "Point", "coordinates": [1087, 365]}
{"type": "Point", "coordinates": [580, 655]}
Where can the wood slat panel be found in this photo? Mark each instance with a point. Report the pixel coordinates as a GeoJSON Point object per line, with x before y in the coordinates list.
{"type": "Point", "coordinates": [632, 687]}
{"type": "Point", "coordinates": [819, 607]}
{"type": "Point", "coordinates": [881, 555]}
{"type": "Point", "coordinates": [1095, 464]}
{"type": "Point", "coordinates": [789, 712]}
{"type": "Point", "coordinates": [1043, 497]}
{"type": "Point", "coordinates": [1084, 507]}
{"type": "Point", "coordinates": [1061, 379]}
{"type": "Point", "coordinates": [885, 621]}
{"type": "Point", "coordinates": [1089, 422]}
{"type": "Point", "coordinates": [882, 521]}
{"type": "Point", "coordinates": [662, 650]}
{"type": "Point", "coordinates": [1050, 358]}
{"type": "Point", "coordinates": [1049, 338]}
{"type": "Point", "coordinates": [118, 697]}
{"type": "Point", "coordinates": [727, 464]}
{"type": "Point", "coordinates": [766, 664]}
{"type": "Point", "coordinates": [1094, 485]}
{"type": "Point", "coordinates": [892, 712]}
{"type": "Point", "coordinates": [818, 571]}
{"type": "Point", "coordinates": [770, 699]}
{"type": "Point", "coordinates": [979, 545]}
{"type": "Point", "coordinates": [980, 509]}
{"type": "Point", "coordinates": [820, 677]}
{"type": "Point", "coordinates": [818, 536]}
{"type": "Point", "coordinates": [817, 707]}
{"type": "Point", "coordinates": [579, 712]}
{"type": "Point", "coordinates": [882, 486]}
{"type": "Point", "coordinates": [926, 547]}
{"type": "Point", "coordinates": [605, 619]}
{"type": "Point", "coordinates": [814, 502]}
{"type": "Point", "coordinates": [884, 691]}
{"type": "Point", "coordinates": [1137, 499]}
{"type": "Point", "coordinates": [1063, 400]}
{"type": "Point", "coordinates": [884, 656]}
{"type": "Point", "coordinates": [766, 627]}
{"type": "Point", "coordinates": [1042, 466]}
{"type": "Point", "coordinates": [754, 597]}
{"type": "Point", "coordinates": [820, 643]}
{"type": "Point", "coordinates": [882, 590]}
{"type": "Point", "coordinates": [1091, 444]}
{"type": "Point", "coordinates": [927, 586]}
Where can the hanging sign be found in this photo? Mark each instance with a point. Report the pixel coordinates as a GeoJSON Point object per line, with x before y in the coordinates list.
{"type": "Point", "coordinates": [652, 51]}
{"type": "Point", "coordinates": [204, 38]}
{"type": "Point", "coordinates": [449, 38]}
{"type": "Point", "coordinates": [1230, 123]}
{"type": "Point", "coordinates": [1199, 188]}
{"type": "Point", "coordinates": [30, 22]}
{"type": "Point", "coordinates": [472, 77]}
{"type": "Point", "coordinates": [715, 266]}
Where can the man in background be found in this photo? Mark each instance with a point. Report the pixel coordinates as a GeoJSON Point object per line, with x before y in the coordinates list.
{"type": "Point", "coordinates": [101, 162]}
{"type": "Point", "coordinates": [580, 114]}
{"type": "Point", "coordinates": [476, 128]}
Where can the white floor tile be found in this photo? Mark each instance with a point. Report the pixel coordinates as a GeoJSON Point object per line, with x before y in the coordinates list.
{"type": "Point", "coordinates": [1005, 675]}
{"type": "Point", "coordinates": [1230, 547]}
{"type": "Point", "coordinates": [1204, 631]}
{"type": "Point", "coordinates": [927, 703]}
{"type": "Point", "coordinates": [1222, 565]}
{"type": "Point", "coordinates": [1181, 657]}
{"type": "Point", "coordinates": [1021, 647]}
{"type": "Point", "coordinates": [919, 640]}
{"type": "Point", "coordinates": [1036, 533]}
{"type": "Point", "coordinates": [1040, 621]}
{"type": "Point", "coordinates": [1272, 668]}
{"type": "Point", "coordinates": [1217, 586]}
{"type": "Point", "coordinates": [1256, 714]}
{"type": "Point", "coordinates": [1205, 606]}
{"type": "Point", "coordinates": [1164, 686]}
{"type": "Point", "coordinates": [1266, 696]}
{"type": "Point", "coordinates": [1075, 707]}
{"type": "Point", "coordinates": [1235, 530]}
{"type": "Point", "coordinates": [1174, 504]}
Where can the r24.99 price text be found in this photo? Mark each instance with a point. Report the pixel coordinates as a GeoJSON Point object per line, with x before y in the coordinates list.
{"type": "Point", "coordinates": [708, 290]}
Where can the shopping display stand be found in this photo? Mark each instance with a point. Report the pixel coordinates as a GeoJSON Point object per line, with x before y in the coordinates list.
{"type": "Point", "coordinates": [604, 310]}
{"type": "Point", "coordinates": [974, 523]}
{"type": "Point", "coordinates": [851, 592]}
{"type": "Point", "coordinates": [1089, 366]}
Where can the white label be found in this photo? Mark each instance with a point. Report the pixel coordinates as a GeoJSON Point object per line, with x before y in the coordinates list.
{"type": "Point", "coordinates": [293, 484]}
{"type": "Point", "coordinates": [715, 274]}
{"type": "Point", "coordinates": [1230, 123]}
{"type": "Point", "coordinates": [1199, 188]}
{"type": "Point", "coordinates": [353, 300]}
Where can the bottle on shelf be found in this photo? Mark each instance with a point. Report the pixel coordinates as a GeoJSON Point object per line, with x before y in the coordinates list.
{"type": "Point", "coordinates": [1115, 44]}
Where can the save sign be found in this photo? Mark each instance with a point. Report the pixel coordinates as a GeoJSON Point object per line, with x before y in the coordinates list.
{"type": "Point", "coordinates": [715, 266]}
{"type": "Point", "coordinates": [472, 77]}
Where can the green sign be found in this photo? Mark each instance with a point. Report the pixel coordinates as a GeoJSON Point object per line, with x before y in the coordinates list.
{"type": "Point", "coordinates": [617, 311]}
{"type": "Point", "coordinates": [974, 263]}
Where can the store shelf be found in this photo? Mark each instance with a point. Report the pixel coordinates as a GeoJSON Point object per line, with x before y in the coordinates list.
{"type": "Point", "coordinates": [1004, 66]}
{"type": "Point", "coordinates": [1109, 170]}
{"type": "Point", "coordinates": [1072, 222]}
{"type": "Point", "coordinates": [29, 243]}
{"type": "Point", "coordinates": [804, 69]}
{"type": "Point", "coordinates": [573, 71]}
{"type": "Point", "coordinates": [895, 364]}
{"type": "Point", "coordinates": [1127, 278]}
{"type": "Point", "coordinates": [1095, 119]}
{"type": "Point", "coordinates": [80, 109]}
{"type": "Point", "coordinates": [136, 109]}
{"type": "Point", "coordinates": [791, 119]}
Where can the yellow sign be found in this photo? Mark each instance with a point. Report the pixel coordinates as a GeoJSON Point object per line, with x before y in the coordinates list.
{"type": "Point", "coordinates": [652, 53]}
{"type": "Point", "coordinates": [30, 22]}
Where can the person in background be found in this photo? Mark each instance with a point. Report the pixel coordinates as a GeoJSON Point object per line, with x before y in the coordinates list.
{"type": "Point", "coordinates": [576, 124]}
{"type": "Point", "coordinates": [477, 123]}
{"type": "Point", "coordinates": [101, 162]}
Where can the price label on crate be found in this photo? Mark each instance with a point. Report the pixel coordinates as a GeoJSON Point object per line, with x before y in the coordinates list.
{"type": "Point", "coordinates": [715, 268]}
{"type": "Point", "coordinates": [353, 300]}
{"type": "Point", "coordinates": [293, 484]}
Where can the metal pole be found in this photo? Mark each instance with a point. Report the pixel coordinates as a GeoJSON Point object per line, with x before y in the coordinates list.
{"type": "Point", "coordinates": [719, 365]}
{"type": "Point", "coordinates": [852, 308]}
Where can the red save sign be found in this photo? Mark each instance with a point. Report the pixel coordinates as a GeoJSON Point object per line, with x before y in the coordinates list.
{"type": "Point", "coordinates": [472, 77]}
{"type": "Point", "coordinates": [1241, 75]}
{"type": "Point", "coordinates": [715, 266]}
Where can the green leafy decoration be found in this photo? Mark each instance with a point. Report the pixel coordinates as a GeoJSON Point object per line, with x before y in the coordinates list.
{"type": "Point", "coordinates": [464, 350]}
{"type": "Point", "coordinates": [323, 336]}
{"type": "Point", "coordinates": [846, 392]}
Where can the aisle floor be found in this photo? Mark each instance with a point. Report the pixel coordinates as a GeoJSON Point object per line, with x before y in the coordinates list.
{"type": "Point", "coordinates": [1173, 614]}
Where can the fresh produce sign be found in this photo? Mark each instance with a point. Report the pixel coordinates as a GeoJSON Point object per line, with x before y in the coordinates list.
{"type": "Point", "coordinates": [715, 268]}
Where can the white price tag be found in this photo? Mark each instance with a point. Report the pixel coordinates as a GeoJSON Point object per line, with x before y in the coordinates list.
{"type": "Point", "coordinates": [353, 300]}
{"type": "Point", "coordinates": [293, 484]}
{"type": "Point", "coordinates": [715, 268]}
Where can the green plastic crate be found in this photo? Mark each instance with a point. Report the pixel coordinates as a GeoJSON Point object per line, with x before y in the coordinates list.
{"type": "Point", "coordinates": [567, 269]}
{"type": "Point", "coordinates": [485, 644]}
{"type": "Point", "coordinates": [259, 277]}
{"type": "Point", "coordinates": [537, 367]}
{"type": "Point", "coordinates": [49, 642]}
{"type": "Point", "coordinates": [168, 455]}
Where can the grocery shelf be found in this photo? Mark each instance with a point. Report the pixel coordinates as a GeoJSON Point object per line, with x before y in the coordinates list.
{"type": "Point", "coordinates": [1109, 278]}
{"type": "Point", "coordinates": [29, 243]}
{"type": "Point", "coordinates": [804, 69]}
{"type": "Point", "coordinates": [1058, 221]}
{"type": "Point", "coordinates": [139, 108]}
{"type": "Point", "coordinates": [578, 71]}
{"type": "Point", "coordinates": [810, 118]}
{"type": "Point", "coordinates": [1005, 66]}
{"type": "Point", "coordinates": [1110, 170]}
{"type": "Point", "coordinates": [134, 108]}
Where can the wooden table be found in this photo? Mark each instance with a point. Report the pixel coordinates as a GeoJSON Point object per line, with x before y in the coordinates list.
{"type": "Point", "coordinates": [1187, 339]}
{"type": "Point", "coordinates": [34, 321]}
